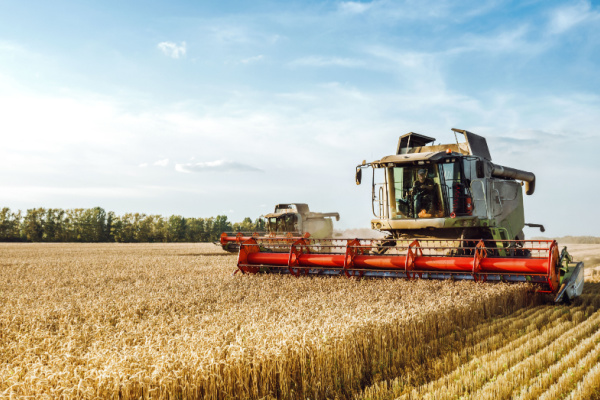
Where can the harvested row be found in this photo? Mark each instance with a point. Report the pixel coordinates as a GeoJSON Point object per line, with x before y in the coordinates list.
{"type": "Point", "coordinates": [554, 356]}
{"type": "Point", "coordinates": [587, 388]}
{"type": "Point", "coordinates": [487, 337]}
{"type": "Point", "coordinates": [537, 385]}
{"type": "Point", "coordinates": [519, 374]}
{"type": "Point", "coordinates": [574, 374]}
{"type": "Point", "coordinates": [158, 321]}
{"type": "Point", "coordinates": [480, 370]}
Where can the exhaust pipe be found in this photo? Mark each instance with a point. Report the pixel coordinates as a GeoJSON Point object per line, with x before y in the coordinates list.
{"type": "Point", "coordinates": [499, 171]}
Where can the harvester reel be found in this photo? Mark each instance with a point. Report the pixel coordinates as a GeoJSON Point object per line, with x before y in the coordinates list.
{"type": "Point", "coordinates": [352, 249]}
{"type": "Point", "coordinates": [411, 256]}
{"type": "Point", "coordinates": [248, 247]}
{"type": "Point", "coordinates": [425, 259]}
{"type": "Point", "coordinates": [298, 248]}
{"type": "Point", "coordinates": [480, 254]}
{"type": "Point", "coordinates": [553, 265]}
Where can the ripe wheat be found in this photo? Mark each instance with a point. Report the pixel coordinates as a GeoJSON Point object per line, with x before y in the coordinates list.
{"type": "Point", "coordinates": [170, 321]}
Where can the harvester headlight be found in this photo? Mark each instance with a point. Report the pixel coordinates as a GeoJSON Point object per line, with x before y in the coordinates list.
{"type": "Point", "coordinates": [378, 225]}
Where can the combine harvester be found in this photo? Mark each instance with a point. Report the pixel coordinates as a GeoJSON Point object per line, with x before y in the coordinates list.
{"type": "Point", "coordinates": [449, 213]}
{"type": "Point", "coordinates": [288, 223]}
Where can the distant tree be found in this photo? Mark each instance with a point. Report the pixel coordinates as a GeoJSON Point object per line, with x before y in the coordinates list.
{"type": "Point", "coordinates": [78, 229]}
{"type": "Point", "coordinates": [259, 225]}
{"type": "Point", "coordinates": [195, 230]}
{"type": "Point", "coordinates": [97, 225]}
{"type": "Point", "coordinates": [54, 227]}
{"type": "Point", "coordinates": [108, 233]}
{"type": "Point", "coordinates": [161, 228]}
{"type": "Point", "coordinates": [220, 225]}
{"type": "Point", "coordinates": [32, 227]}
{"type": "Point", "coordinates": [124, 229]}
{"type": "Point", "coordinates": [9, 225]}
{"type": "Point", "coordinates": [176, 230]}
{"type": "Point", "coordinates": [116, 229]}
{"type": "Point", "coordinates": [209, 227]}
{"type": "Point", "coordinates": [150, 229]}
{"type": "Point", "coordinates": [247, 225]}
{"type": "Point", "coordinates": [93, 224]}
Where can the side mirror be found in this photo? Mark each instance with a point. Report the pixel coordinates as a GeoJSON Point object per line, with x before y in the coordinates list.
{"type": "Point", "coordinates": [358, 175]}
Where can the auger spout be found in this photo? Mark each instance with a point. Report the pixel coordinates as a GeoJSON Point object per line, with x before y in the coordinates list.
{"type": "Point", "coordinates": [499, 171]}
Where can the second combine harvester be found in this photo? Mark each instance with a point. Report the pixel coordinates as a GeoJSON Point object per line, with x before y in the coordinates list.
{"type": "Point", "coordinates": [449, 213]}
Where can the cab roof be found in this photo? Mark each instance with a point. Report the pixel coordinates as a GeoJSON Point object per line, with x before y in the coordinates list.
{"type": "Point", "coordinates": [416, 147]}
{"type": "Point", "coordinates": [437, 153]}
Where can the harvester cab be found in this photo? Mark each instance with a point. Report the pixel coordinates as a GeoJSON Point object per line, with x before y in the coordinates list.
{"type": "Point", "coordinates": [449, 213]}
{"type": "Point", "coordinates": [447, 191]}
{"type": "Point", "coordinates": [287, 223]}
{"type": "Point", "coordinates": [298, 219]}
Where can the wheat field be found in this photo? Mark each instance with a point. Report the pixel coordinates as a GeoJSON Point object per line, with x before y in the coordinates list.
{"type": "Point", "coordinates": [171, 321]}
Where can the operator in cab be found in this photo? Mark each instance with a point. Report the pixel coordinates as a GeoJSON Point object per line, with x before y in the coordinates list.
{"type": "Point", "coordinates": [424, 195]}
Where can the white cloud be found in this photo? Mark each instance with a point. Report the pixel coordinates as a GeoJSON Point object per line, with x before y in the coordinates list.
{"type": "Point", "coordinates": [11, 47]}
{"type": "Point", "coordinates": [161, 163]}
{"type": "Point", "coordinates": [506, 41]}
{"type": "Point", "coordinates": [513, 40]}
{"type": "Point", "coordinates": [316, 61]}
{"type": "Point", "coordinates": [251, 60]}
{"type": "Point", "coordinates": [391, 10]}
{"type": "Point", "coordinates": [217, 166]}
{"type": "Point", "coordinates": [229, 34]}
{"type": "Point", "coordinates": [143, 165]}
{"type": "Point", "coordinates": [172, 49]}
{"type": "Point", "coordinates": [354, 7]}
{"type": "Point", "coordinates": [76, 119]}
{"type": "Point", "coordinates": [567, 17]}
{"type": "Point", "coordinates": [399, 57]}
{"type": "Point", "coordinates": [232, 34]}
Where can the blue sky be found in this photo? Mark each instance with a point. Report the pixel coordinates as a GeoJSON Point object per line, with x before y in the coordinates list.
{"type": "Point", "coordinates": [199, 109]}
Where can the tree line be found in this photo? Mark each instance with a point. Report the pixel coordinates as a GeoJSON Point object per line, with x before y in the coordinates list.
{"type": "Point", "coordinates": [97, 225]}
